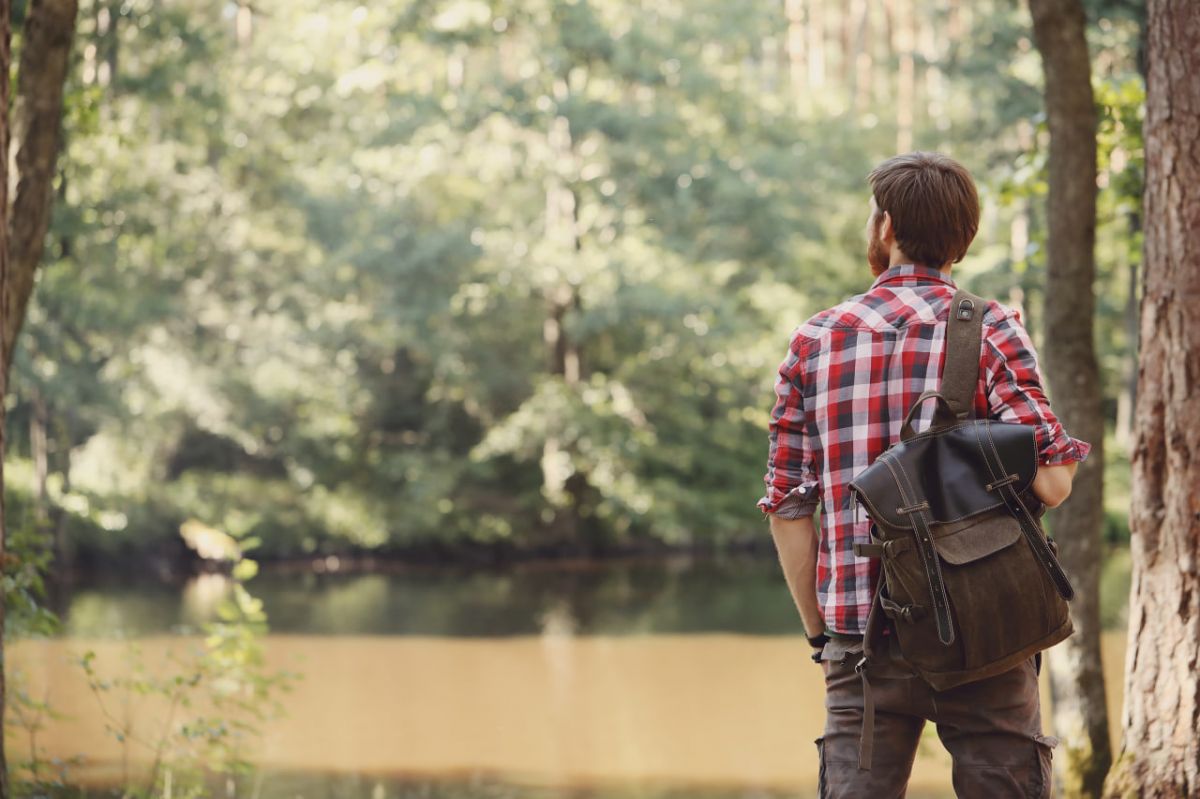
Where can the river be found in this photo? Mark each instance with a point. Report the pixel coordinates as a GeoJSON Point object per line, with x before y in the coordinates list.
{"type": "Point", "coordinates": [632, 680]}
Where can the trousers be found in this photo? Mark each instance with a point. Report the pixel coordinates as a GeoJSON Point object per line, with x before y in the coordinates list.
{"type": "Point", "coordinates": [992, 729]}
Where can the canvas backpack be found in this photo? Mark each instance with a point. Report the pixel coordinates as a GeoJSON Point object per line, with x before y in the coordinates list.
{"type": "Point", "coordinates": [969, 579]}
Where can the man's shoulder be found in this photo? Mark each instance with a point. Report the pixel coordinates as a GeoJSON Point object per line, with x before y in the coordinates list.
{"type": "Point", "coordinates": [845, 314]}
{"type": "Point", "coordinates": [879, 309]}
{"type": "Point", "coordinates": [999, 317]}
{"type": "Point", "coordinates": [887, 311]}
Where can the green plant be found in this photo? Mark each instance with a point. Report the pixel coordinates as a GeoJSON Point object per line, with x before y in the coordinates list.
{"type": "Point", "coordinates": [217, 695]}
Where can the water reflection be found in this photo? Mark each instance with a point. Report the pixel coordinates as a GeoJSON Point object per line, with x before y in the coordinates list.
{"type": "Point", "coordinates": [745, 595]}
{"type": "Point", "coordinates": [637, 680]}
{"type": "Point", "coordinates": [727, 713]}
{"type": "Point", "coordinates": [200, 597]}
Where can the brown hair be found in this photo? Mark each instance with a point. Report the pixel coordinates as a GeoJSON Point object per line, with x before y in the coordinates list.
{"type": "Point", "coordinates": [933, 204]}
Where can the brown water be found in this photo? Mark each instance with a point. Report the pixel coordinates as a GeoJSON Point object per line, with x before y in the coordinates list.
{"type": "Point", "coordinates": [579, 706]}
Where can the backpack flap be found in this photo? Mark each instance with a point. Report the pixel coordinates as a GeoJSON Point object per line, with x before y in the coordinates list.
{"type": "Point", "coordinates": [951, 470]}
{"type": "Point", "coordinates": [984, 535]}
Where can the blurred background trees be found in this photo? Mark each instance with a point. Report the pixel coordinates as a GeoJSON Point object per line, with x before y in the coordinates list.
{"type": "Point", "coordinates": [467, 277]}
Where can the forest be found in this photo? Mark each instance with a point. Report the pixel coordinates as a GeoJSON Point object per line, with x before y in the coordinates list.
{"type": "Point", "coordinates": [501, 277]}
{"type": "Point", "coordinates": [485, 287]}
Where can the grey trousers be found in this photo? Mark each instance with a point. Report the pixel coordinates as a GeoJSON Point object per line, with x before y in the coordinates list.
{"type": "Point", "coordinates": [992, 729]}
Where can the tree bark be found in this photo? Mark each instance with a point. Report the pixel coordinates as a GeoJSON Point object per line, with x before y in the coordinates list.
{"type": "Point", "coordinates": [5, 267]}
{"type": "Point", "coordinates": [1076, 676]}
{"type": "Point", "coordinates": [36, 120]}
{"type": "Point", "coordinates": [36, 128]}
{"type": "Point", "coordinates": [1160, 750]}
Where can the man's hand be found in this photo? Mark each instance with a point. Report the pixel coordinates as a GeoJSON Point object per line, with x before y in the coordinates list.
{"type": "Point", "coordinates": [796, 543]}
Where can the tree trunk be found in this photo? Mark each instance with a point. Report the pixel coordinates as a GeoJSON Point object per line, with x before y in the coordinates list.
{"type": "Point", "coordinates": [36, 119]}
{"type": "Point", "coordinates": [1127, 399]}
{"type": "Point", "coordinates": [816, 44]}
{"type": "Point", "coordinates": [906, 75]}
{"type": "Point", "coordinates": [64, 552]}
{"type": "Point", "coordinates": [244, 23]}
{"type": "Point", "coordinates": [862, 57]}
{"type": "Point", "coordinates": [5, 266]}
{"type": "Point", "coordinates": [36, 123]}
{"type": "Point", "coordinates": [1160, 750]}
{"type": "Point", "coordinates": [561, 484]}
{"type": "Point", "coordinates": [1076, 676]}
{"type": "Point", "coordinates": [39, 450]}
{"type": "Point", "coordinates": [797, 59]}
{"type": "Point", "coordinates": [932, 44]}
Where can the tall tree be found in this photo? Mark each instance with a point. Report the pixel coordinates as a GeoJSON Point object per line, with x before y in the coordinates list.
{"type": "Point", "coordinates": [36, 122]}
{"type": "Point", "coordinates": [901, 12]}
{"type": "Point", "coordinates": [5, 64]}
{"type": "Point", "coordinates": [1160, 751]}
{"type": "Point", "coordinates": [1076, 674]}
{"type": "Point", "coordinates": [36, 128]}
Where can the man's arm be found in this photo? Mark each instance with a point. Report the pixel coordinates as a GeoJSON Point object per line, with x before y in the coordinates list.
{"type": "Point", "coordinates": [792, 486]}
{"type": "Point", "coordinates": [1016, 394]}
{"type": "Point", "coordinates": [796, 544]}
{"type": "Point", "coordinates": [1052, 484]}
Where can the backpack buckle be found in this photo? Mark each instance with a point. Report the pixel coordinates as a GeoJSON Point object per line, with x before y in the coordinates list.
{"type": "Point", "coordinates": [1003, 481]}
{"type": "Point", "coordinates": [920, 506]}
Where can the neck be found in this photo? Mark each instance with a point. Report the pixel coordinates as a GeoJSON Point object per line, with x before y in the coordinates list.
{"type": "Point", "coordinates": [896, 258]}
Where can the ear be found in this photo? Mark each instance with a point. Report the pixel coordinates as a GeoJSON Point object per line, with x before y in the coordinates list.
{"type": "Point", "coordinates": [886, 234]}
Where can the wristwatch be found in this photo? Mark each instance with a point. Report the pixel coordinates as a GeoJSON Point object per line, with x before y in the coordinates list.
{"type": "Point", "coordinates": [817, 642]}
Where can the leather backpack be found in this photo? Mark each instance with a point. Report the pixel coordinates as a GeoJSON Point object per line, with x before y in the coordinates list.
{"type": "Point", "coordinates": [969, 579]}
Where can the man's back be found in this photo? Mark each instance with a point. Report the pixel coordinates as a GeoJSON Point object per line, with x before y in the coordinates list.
{"type": "Point", "coordinates": [849, 378]}
{"type": "Point", "coordinates": [851, 374]}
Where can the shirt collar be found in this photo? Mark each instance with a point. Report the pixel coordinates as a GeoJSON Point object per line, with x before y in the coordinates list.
{"type": "Point", "coordinates": [913, 273]}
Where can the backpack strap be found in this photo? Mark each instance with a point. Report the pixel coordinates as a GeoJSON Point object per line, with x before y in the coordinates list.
{"type": "Point", "coordinates": [964, 337]}
{"type": "Point", "coordinates": [1029, 526]}
{"type": "Point", "coordinates": [960, 376]}
{"type": "Point", "coordinates": [871, 636]}
{"type": "Point", "coordinates": [918, 508]}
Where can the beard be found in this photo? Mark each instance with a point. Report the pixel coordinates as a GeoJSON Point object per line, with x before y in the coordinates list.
{"type": "Point", "coordinates": [878, 255]}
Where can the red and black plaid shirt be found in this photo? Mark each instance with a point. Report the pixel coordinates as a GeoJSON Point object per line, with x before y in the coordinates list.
{"type": "Point", "coordinates": [842, 392]}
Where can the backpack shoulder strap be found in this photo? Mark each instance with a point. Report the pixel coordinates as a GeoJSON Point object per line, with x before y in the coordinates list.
{"type": "Point", "coordinates": [964, 337]}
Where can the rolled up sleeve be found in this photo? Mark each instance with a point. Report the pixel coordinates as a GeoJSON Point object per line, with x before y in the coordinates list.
{"type": "Point", "coordinates": [1016, 393]}
{"type": "Point", "coordinates": [791, 478]}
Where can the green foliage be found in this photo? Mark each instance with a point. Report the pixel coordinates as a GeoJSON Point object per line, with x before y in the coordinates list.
{"type": "Point", "coordinates": [26, 560]}
{"type": "Point", "coordinates": [217, 695]}
{"type": "Point", "coordinates": [462, 274]}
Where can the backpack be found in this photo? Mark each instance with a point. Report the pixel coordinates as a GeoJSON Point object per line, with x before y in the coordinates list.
{"type": "Point", "coordinates": [969, 578]}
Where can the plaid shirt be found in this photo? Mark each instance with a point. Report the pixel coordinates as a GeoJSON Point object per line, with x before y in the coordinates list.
{"type": "Point", "coordinates": [849, 377]}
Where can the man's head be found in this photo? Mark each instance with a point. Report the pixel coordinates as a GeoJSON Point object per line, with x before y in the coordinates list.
{"type": "Point", "coordinates": [924, 210]}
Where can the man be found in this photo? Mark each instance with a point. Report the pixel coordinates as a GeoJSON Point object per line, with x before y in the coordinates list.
{"type": "Point", "coordinates": [850, 375]}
